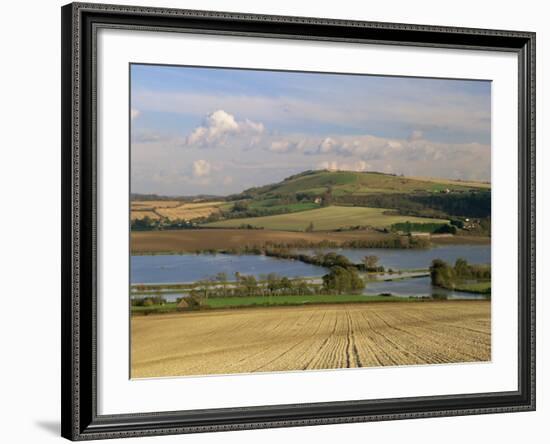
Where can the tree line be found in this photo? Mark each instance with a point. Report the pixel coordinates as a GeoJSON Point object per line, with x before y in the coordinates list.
{"type": "Point", "coordinates": [448, 276]}
{"type": "Point", "coordinates": [340, 279]}
{"type": "Point", "coordinates": [460, 204]}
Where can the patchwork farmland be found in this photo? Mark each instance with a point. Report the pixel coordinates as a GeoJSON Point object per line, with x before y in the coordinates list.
{"type": "Point", "coordinates": [238, 305]}
{"type": "Point", "coordinates": [174, 210]}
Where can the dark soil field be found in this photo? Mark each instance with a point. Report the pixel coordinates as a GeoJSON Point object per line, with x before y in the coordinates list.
{"type": "Point", "coordinates": [178, 241]}
{"type": "Point", "coordinates": [189, 241]}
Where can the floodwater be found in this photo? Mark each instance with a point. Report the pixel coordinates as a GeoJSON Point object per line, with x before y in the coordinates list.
{"type": "Point", "coordinates": [407, 259]}
{"type": "Point", "coordinates": [166, 269]}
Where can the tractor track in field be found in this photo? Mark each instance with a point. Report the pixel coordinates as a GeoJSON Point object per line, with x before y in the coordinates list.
{"type": "Point", "coordinates": [286, 351]}
{"type": "Point", "coordinates": [310, 338]}
{"type": "Point", "coordinates": [321, 347]}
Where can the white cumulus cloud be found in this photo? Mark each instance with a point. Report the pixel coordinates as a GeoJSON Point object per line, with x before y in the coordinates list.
{"type": "Point", "coordinates": [280, 146]}
{"type": "Point", "coordinates": [134, 113]}
{"type": "Point", "coordinates": [416, 135]}
{"type": "Point", "coordinates": [335, 165]}
{"type": "Point", "coordinates": [201, 168]}
{"type": "Point", "coordinates": [327, 145]}
{"type": "Point", "coordinates": [220, 125]}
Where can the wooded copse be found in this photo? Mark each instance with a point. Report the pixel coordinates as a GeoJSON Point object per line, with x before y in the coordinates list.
{"type": "Point", "coordinates": [449, 276]}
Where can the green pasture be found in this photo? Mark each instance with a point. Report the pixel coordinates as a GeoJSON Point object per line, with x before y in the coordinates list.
{"type": "Point", "coordinates": [326, 219]}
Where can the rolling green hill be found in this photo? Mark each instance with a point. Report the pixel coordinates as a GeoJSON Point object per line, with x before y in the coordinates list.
{"type": "Point", "coordinates": [333, 200]}
{"type": "Point", "coordinates": [315, 183]}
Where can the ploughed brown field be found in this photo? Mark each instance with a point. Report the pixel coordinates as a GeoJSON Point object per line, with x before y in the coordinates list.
{"type": "Point", "coordinates": [202, 239]}
{"type": "Point", "coordinates": [178, 241]}
{"type": "Point", "coordinates": [310, 337]}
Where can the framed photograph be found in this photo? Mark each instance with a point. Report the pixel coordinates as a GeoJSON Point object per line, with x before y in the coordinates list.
{"type": "Point", "coordinates": [283, 221]}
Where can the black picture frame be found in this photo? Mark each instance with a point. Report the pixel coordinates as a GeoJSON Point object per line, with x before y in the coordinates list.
{"type": "Point", "coordinates": [80, 420]}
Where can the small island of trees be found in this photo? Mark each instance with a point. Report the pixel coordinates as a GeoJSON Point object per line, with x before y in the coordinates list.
{"type": "Point", "coordinates": [462, 276]}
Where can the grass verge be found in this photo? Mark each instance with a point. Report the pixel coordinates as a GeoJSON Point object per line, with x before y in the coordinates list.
{"type": "Point", "coordinates": [272, 301]}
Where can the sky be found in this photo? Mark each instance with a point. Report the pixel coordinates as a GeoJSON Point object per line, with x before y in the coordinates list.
{"type": "Point", "coordinates": [219, 131]}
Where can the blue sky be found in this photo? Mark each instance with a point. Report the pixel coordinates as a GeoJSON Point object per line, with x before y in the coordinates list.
{"type": "Point", "coordinates": [218, 131]}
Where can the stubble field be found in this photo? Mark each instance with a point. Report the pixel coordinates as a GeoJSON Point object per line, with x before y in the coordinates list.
{"type": "Point", "coordinates": [172, 209]}
{"type": "Point", "coordinates": [310, 337]}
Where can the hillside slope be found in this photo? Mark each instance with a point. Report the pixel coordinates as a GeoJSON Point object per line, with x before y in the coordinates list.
{"type": "Point", "coordinates": [356, 183]}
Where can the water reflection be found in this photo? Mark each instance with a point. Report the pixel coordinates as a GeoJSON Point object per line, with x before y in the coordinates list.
{"type": "Point", "coordinates": [416, 287]}
{"type": "Point", "coordinates": [166, 269]}
{"type": "Point", "coordinates": [406, 259]}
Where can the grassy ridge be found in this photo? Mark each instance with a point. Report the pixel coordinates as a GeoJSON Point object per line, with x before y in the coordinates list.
{"type": "Point", "coordinates": [291, 208]}
{"type": "Point", "coordinates": [328, 218]}
{"type": "Point", "coordinates": [483, 287]}
{"type": "Point", "coordinates": [351, 182]}
{"type": "Point", "coordinates": [264, 301]}
{"type": "Point", "coordinates": [296, 300]}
